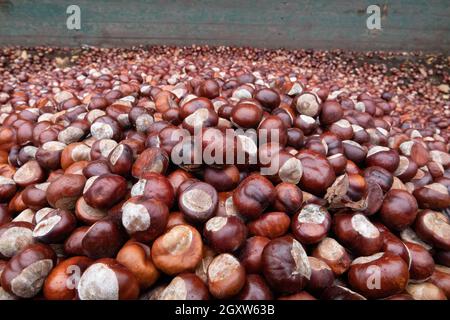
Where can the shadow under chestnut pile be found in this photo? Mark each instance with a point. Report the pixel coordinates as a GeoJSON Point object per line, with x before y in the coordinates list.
{"type": "Point", "coordinates": [92, 205]}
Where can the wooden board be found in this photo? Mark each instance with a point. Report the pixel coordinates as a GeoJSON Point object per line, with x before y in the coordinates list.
{"type": "Point", "coordinates": [319, 24]}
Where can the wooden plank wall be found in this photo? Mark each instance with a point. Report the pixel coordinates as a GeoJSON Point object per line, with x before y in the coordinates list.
{"type": "Point", "coordinates": [320, 24]}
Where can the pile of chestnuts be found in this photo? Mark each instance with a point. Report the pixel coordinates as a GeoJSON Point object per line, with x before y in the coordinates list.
{"type": "Point", "coordinates": [142, 174]}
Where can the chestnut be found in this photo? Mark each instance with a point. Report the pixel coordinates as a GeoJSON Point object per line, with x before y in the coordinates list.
{"type": "Point", "coordinates": [322, 276]}
{"type": "Point", "coordinates": [246, 115]}
{"type": "Point", "coordinates": [399, 209]}
{"type": "Point", "coordinates": [107, 279]}
{"type": "Point", "coordinates": [307, 103]}
{"type": "Point", "coordinates": [331, 112]}
{"type": "Point", "coordinates": [136, 257]}
{"type": "Point", "coordinates": [86, 213]}
{"type": "Point", "coordinates": [441, 279]}
{"type": "Point", "coordinates": [357, 233]}
{"type": "Point", "coordinates": [268, 98]}
{"type": "Point", "coordinates": [63, 192]}
{"type": "Point", "coordinates": [255, 288]}
{"type": "Point", "coordinates": [378, 276]}
{"type": "Point", "coordinates": [250, 254]}
{"type": "Point", "coordinates": [154, 186]}
{"type": "Point", "coordinates": [383, 157]}
{"type": "Point", "coordinates": [434, 228]}
{"type": "Point", "coordinates": [74, 152]}
{"type": "Point", "coordinates": [317, 175]}
{"type": "Point", "coordinates": [198, 202]}
{"type": "Point", "coordinates": [333, 254]}
{"type": "Point", "coordinates": [25, 273]}
{"type": "Point", "coordinates": [306, 124]}
{"type": "Point", "coordinates": [55, 226]}
{"type": "Point", "coordinates": [120, 159]}
{"type": "Point", "coordinates": [442, 257]}
{"type": "Point", "coordinates": [285, 265]}
{"type": "Point", "coordinates": [226, 207]}
{"type": "Point", "coordinates": [202, 268]}
{"type": "Point", "coordinates": [144, 219]}
{"type": "Point", "coordinates": [418, 153]}
{"type": "Point", "coordinates": [338, 162]}
{"type": "Point", "coordinates": [311, 224]}
{"type": "Point", "coordinates": [253, 195]}
{"type": "Point", "coordinates": [178, 250]}
{"type": "Point", "coordinates": [272, 129]}
{"type": "Point", "coordinates": [30, 173]}
{"type": "Point", "coordinates": [195, 104]}
{"type": "Point", "coordinates": [408, 235]}
{"type": "Point", "coordinates": [295, 138]}
{"type": "Point", "coordinates": [353, 151]}
{"type": "Point", "coordinates": [35, 196]}
{"type": "Point", "coordinates": [222, 179]}
{"type": "Point", "coordinates": [226, 276]}
{"type": "Point", "coordinates": [103, 239]}
{"type": "Point", "coordinates": [186, 286]}
{"type": "Point", "coordinates": [425, 291]}
{"type": "Point", "coordinates": [102, 192]}
{"type": "Point", "coordinates": [380, 176]}
{"type": "Point", "coordinates": [422, 263]}
{"type": "Point", "coordinates": [72, 245]}
{"type": "Point", "coordinates": [281, 167]}
{"type": "Point", "coordinates": [288, 198]}
{"type": "Point", "coordinates": [342, 129]}
{"type": "Point", "coordinates": [225, 234]}
{"type": "Point", "coordinates": [106, 127]}
{"type": "Point", "coordinates": [62, 282]}
{"type": "Point", "coordinates": [177, 177]}
{"type": "Point", "coordinates": [101, 149]}
{"type": "Point", "coordinates": [433, 196]}
{"type": "Point", "coordinates": [7, 189]}
{"type": "Point", "coordinates": [14, 236]}
{"type": "Point", "coordinates": [5, 215]}
{"type": "Point", "coordinates": [201, 118]}
{"type": "Point", "coordinates": [392, 244]}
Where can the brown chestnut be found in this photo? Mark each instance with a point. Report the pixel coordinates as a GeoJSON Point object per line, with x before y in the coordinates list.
{"type": "Point", "coordinates": [136, 257]}
{"type": "Point", "coordinates": [107, 279]}
{"type": "Point", "coordinates": [178, 250]}
{"type": "Point", "coordinates": [55, 226]}
{"type": "Point", "coordinates": [357, 233]}
{"type": "Point", "coordinates": [399, 209]}
{"type": "Point", "coordinates": [198, 202]}
{"type": "Point", "coordinates": [311, 224]}
{"type": "Point", "coordinates": [253, 195]}
{"type": "Point", "coordinates": [102, 192]}
{"type": "Point", "coordinates": [144, 219]}
{"type": "Point", "coordinates": [62, 282]}
{"type": "Point", "coordinates": [335, 255]}
{"type": "Point", "coordinates": [225, 234]}
{"type": "Point", "coordinates": [226, 276]}
{"type": "Point", "coordinates": [25, 273]}
{"type": "Point", "coordinates": [285, 265]}
{"type": "Point", "coordinates": [378, 276]}
{"type": "Point", "coordinates": [186, 286]}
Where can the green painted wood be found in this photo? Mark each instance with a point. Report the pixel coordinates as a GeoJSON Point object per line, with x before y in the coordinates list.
{"type": "Point", "coordinates": [406, 24]}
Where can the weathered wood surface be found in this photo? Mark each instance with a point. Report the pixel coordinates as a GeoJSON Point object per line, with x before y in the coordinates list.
{"type": "Point", "coordinates": [320, 24]}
